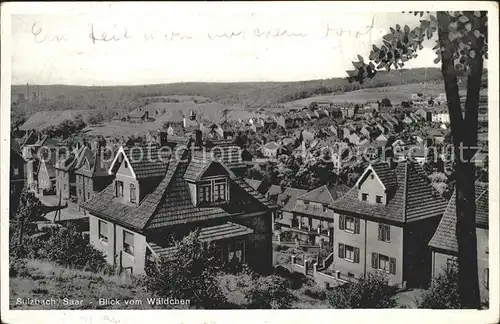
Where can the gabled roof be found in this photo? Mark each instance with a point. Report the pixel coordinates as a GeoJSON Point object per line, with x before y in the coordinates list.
{"type": "Point", "coordinates": [170, 203]}
{"type": "Point", "coordinates": [383, 172]}
{"type": "Point", "coordinates": [413, 198]}
{"type": "Point", "coordinates": [325, 194]}
{"type": "Point", "coordinates": [273, 190]}
{"type": "Point", "coordinates": [146, 161]}
{"type": "Point", "coordinates": [255, 184]}
{"type": "Point", "coordinates": [445, 236]}
{"type": "Point", "coordinates": [288, 198]}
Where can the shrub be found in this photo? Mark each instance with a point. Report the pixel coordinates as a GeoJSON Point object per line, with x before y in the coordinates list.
{"type": "Point", "coordinates": [316, 292]}
{"type": "Point", "coordinates": [443, 292]}
{"type": "Point", "coordinates": [271, 292]}
{"type": "Point", "coordinates": [370, 292]}
{"type": "Point", "coordinates": [67, 247]}
{"type": "Point", "coordinates": [17, 268]}
{"type": "Point", "coordinates": [191, 272]}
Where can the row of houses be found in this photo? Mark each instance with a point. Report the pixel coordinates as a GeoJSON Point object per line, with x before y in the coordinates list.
{"type": "Point", "coordinates": [391, 221]}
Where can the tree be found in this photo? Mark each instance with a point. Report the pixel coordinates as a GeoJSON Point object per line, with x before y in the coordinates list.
{"type": "Point", "coordinates": [443, 292]}
{"type": "Point", "coordinates": [386, 102]}
{"type": "Point", "coordinates": [190, 272]}
{"type": "Point", "coordinates": [461, 46]}
{"type": "Point", "coordinates": [370, 292]}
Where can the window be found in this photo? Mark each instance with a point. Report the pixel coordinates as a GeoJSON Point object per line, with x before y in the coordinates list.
{"type": "Point", "coordinates": [325, 208]}
{"type": "Point", "coordinates": [119, 188]}
{"type": "Point", "coordinates": [215, 190]}
{"type": "Point", "coordinates": [378, 199]}
{"type": "Point", "coordinates": [364, 196]}
{"type": "Point", "coordinates": [236, 252]}
{"type": "Point", "coordinates": [125, 164]}
{"type": "Point", "coordinates": [384, 263]}
{"type": "Point", "coordinates": [451, 264]}
{"type": "Point", "coordinates": [384, 232]}
{"type": "Point", "coordinates": [372, 176]}
{"type": "Point", "coordinates": [16, 171]}
{"type": "Point", "coordinates": [487, 278]}
{"type": "Point", "coordinates": [88, 195]}
{"type": "Point", "coordinates": [103, 231]}
{"type": "Point", "coordinates": [65, 187]}
{"type": "Point", "coordinates": [349, 253]}
{"type": "Point", "coordinates": [128, 242]}
{"type": "Point", "coordinates": [132, 193]}
{"type": "Point", "coordinates": [204, 190]}
{"type": "Point", "coordinates": [219, 190]}
{"type": "Point", "coordinates": [349, 224]}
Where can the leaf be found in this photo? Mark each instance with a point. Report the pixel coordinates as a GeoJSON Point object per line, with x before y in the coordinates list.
{"type": "Point", "coordinates": [375, 48]}
{"type": "Point", "coordinates": [477, 33]}
{"type": "Point", "coordinates": [463, 19]}
{"type": "Point", "coordinates": [406, 29]}
{"type": "Point", "coordinates": [425, 23]}
{"type": "Point", "coordinates": [436, 60]}
{"type": "Point", "coordinates": [468, 26]}
{"type": "Point", "coordinates": [486, 55]}
{"type": "Point", "coordinates": [398, 27]}
{"type": "Point", "coordinates": [477, 13]}
{"type": "Point", "coordinates": [392, 30]}
{"type": "Point", "coordinates": [381, 66]}
{"type": "Point", "coordinates": [372, 65]}
{"type": "Point", "coordinates": [360, 59]}
{"type": "Point", "coordinates": [472, 53]}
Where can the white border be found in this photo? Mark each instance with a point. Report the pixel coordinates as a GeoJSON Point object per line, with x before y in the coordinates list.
{"type": "Point", "coordinates": [282, 316]}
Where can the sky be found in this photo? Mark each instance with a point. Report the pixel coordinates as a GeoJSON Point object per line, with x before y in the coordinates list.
{"type": "Point", "coordinates": [179, 42]}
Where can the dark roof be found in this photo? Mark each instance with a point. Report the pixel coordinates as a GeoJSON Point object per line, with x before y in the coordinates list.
{"type": "Point", "coordinates": [147, 161]}
{"type": "Point", "coordinates": [288, 198]}
{"type": "Point", "coordinates": [385, 174]}
{"type": "Point", "coordinates": [324, 195]}
{"type": "Point", "coordinates": [255, 184]}
{"type": "Point", "coordinates": [412, 198]}
{"type": "Point", "coordinates": [207, 234]}
{"type": "Point", "coordinates": [171, 203]}
{"type": "Point", "coordinates": [445, 236]}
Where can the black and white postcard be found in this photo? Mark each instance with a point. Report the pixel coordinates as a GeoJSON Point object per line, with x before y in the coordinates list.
{"type": "Point", "coordinates": [314, 157]}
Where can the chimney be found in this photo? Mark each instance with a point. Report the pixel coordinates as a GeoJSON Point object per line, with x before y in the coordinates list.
{"type": "Point", "coordinates": [198, 137]}
{"type": "Point", "coordinates": [163, 138]}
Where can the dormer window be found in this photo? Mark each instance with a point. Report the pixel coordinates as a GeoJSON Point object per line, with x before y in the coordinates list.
{"type": "Point", "coordinates": [133, 198]}
{"type": "Point", "coordinates": [364, 196]}
{"type": "Point", "coordinates": [119, 189]}
{"type": "Point", "coordinates": [125, 164]}
{"type": "Point", "coordinates": [213, 191]}
{"type": "Point", "coordinates": [378, 199]}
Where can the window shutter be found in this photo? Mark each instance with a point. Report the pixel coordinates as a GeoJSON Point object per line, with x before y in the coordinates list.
{"type": "Point", "coordinates": [341, 222]}
{"type": "Point", "coordinates": [341, 251]}
{"type": "Point", "coordinates": [388, 233]}
{"type": "Point", "coordinates": [356, 255]}
{"type": "Point", "coordinates": [392, 266]}
{"type": "Point", "coordinates": [380, 232]}
{"type": "Point", "coordinates": [374, 260]}
{"type": "Point", "coordinates": [356, 225]}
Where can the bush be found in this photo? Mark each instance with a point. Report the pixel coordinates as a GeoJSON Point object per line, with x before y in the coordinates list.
{"type": "Point", "coordinates": [271, 292]}
{"type": "Point", "coordinates": [17, 268]}
{"type": "Point", "coordinates": [370, 292]}
{"type": "Point", "coordinates": [443, 293]}
{"type": "Point", "coordinates": [286, 236]}
{"type": "Point", "coordinates": [316, 292]}
{"type": "Point", "coordinates": [191, 272]}
{"type": "Point", "coordinates": [67, 247]}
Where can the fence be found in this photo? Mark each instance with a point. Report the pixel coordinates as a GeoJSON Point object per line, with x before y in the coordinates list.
{"type": "Point", "coordinates": [322, 279]}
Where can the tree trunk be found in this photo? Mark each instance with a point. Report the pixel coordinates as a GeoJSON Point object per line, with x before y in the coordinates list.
{"type": "Point", "coordinates": [464, 134]}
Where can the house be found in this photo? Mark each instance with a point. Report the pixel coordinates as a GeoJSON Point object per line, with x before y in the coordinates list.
{"type": "Point", "coordinates": [312, 221]}
{"type": "Point", "coordinates": [17, 171]}
{"type": "Point", "coordinates": [92, 175]}
{"type": "Point", "coordinates": [366, 131]}
{"type": "Point", "coordinates": [354, 138]}
{"type": "Point", "coordinates": [284, 218]}
{"type": "Point", "coordinates": [273, 192]}
{"type": "Point", "coordinates": [46, 174]}
{"type": "Point", "coordinates": [423, 114]}
{"type": "Point", "coordinates": [440, 99]}
{"type": "Point", "coordinates": [270, 150]}
{"type": "Point", "coordinates": [385, 222]}
{"type": "Point", "coordinates": [444, 245]}
{"type": "Point", "coordinates": [153, 202]}
{"type": "Point", "coordinates": [226, 130]}
{"type": "Point", "coordinates": [152, 110]}
{"type": "Point", "coordinates": [440, 115]}
{"type": "Point", "coordinates": [381, 138]}
{"type": "Point", "coordinates": [65, 167]}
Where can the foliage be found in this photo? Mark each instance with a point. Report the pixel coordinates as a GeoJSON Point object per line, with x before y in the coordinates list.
{"type": "Point", "coordinates": [17, 267]}
{"type": "Point", "coordinates": [370, 292]}
{"type": "Point", "coordinates": [443, 293]}
{"type": "Point", "coordinates": [67, 247]}
{"type": "Point", "coordinates": [66, 127]}
{"type": "Point", "coordinates": [316, 292]}
{"type": "Point", "coordinates": [468, 30]}
{"type": "Point", "coordinates": [386, 102]}
{"type": "Point", "coordinates": [95, 119]}
{"type": "Point", "coordinates": [270, 292]}
{"type": "Point", "coordinates": [188, 273]}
